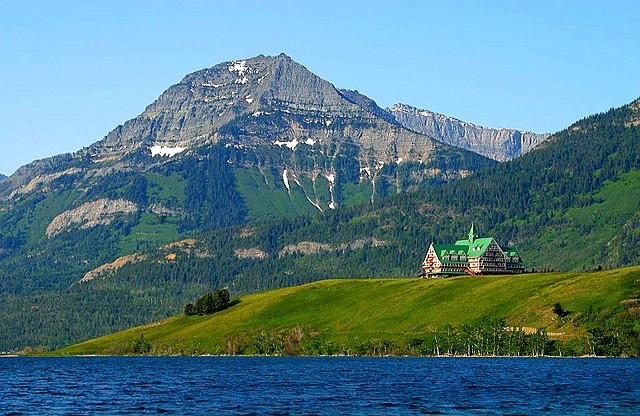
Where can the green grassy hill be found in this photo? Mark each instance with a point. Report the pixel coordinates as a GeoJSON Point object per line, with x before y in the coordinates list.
{"type": "Point", "coordinates": [402, 316]}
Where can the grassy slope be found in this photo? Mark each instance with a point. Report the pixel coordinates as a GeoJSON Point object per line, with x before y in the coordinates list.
{"type": "Point", "coordinates": [392, 309]}
{"type": "Point", "coordinates": [266, 195]}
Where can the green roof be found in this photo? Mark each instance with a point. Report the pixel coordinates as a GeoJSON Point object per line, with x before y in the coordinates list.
{"type": "Point", "coordinates": [476, 249]}
{"type": "Point", "coordinates": [444, 249]}
{"type": "Point", "coordinates": [471, 247]}
{"type": "Point", "coordinates": [479, 246]}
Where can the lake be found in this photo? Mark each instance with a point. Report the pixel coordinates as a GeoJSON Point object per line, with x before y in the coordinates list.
{"type": "Point", "coordinates": [322, 385]}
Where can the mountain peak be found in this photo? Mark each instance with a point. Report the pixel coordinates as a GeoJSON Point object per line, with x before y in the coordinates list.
{"type": "Point", "coordinates": [192, 111]}
{"type": "Point", "coordinates": [496, 143]}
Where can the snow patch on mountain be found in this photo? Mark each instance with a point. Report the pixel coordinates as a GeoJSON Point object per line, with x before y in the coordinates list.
{"type": "Point", "coordinates": [291, 145]}
{"type": "Point", "coordinates": [241, 68]}
{"type": "Point", "coordinates": [315, 204]}
{"type": "Point", "coordinates": [285, 179]}
{"type": "Point", "coordinates": [332, 184]}
{"type": "Point", "coordinates": [238, 66]}
{"type": "Point", "coordinates": [158, 150]}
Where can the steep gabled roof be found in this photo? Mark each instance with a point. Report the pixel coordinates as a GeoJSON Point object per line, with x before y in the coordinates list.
{"type": "Point", "coordinates": [457, 256]}
{"type": "Point", "coordinates": [479, 246]}
{"type": "Point", "coordinates": [444, 249]}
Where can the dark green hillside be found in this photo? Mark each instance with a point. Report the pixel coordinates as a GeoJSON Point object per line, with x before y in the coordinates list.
{"type": "Point", "coordinates": [548, 313]}
{"type": "Point", "coordinates": [186, 196]}
{"type": "Point", "coordinates": [569, 205]}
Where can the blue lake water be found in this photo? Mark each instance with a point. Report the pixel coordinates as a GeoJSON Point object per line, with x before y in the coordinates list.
{"type": "Point", "coordinates": [324, 385]}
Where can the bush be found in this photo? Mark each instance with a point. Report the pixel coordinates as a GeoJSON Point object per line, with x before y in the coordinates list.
{"type": "Point", "coordinates": [211, 302]}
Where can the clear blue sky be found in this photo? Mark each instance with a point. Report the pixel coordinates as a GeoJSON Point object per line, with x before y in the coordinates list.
{"type": "Point", "coordinates": [73, 70]}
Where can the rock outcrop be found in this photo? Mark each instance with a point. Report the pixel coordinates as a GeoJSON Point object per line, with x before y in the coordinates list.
{"type": "Point", "coordinates": [313, 247]}
{"type": "Point", "coordinates": [91, 214]}
{"type": "Point", "coordinates": [253, 253]}
{"type": "Point", "coordinates": [497, 144]}
{"type": "Point", "coordinates": [113, 266]}
{"type": "Point", "coordinates": [42, 181]}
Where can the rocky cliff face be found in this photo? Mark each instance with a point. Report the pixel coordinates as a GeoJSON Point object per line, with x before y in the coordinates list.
{"type": "Point", "coordinates": [90, 214]}
{"type": "Point", "coordinates": [192, 112]}
{"type": "Point", "coordinates": [272, 113]}
{"type": "Point", "coordinates": [497, 144]}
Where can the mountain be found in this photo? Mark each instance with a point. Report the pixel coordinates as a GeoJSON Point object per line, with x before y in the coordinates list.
{"type": "Point", "coordinates": [2, 176]}
{"type": "Point", "coordinates": [242, 141]}
{"type": "Point", "coordinates": [498, 144]}
{"type": "Point", "coordinates": [271, 113]}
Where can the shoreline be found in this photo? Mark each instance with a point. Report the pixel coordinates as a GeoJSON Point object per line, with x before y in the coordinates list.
{"type": "Point", "coordinates": [318, 356]}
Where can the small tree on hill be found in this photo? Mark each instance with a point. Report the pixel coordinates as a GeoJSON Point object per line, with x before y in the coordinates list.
{"type": "Point", "coordinates": [559, 311]}
{"type": "Point", "coordinates": [190, 309]}
{"type": "Point", "coordinates": [211, 302]}
{"type": "Point", "coordinates": [220, 300]}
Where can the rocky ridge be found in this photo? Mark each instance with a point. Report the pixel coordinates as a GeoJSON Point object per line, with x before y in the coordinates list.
{"type": "Point", "coordinates": [192, 112]}
{"type": "Point", "coordinates": [498, 144]}
{"type": "Point", "coordinates": [271, 113]}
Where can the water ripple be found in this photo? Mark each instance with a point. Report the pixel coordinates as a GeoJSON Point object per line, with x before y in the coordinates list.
{"type": "Point", "coordinates": [318, 386]}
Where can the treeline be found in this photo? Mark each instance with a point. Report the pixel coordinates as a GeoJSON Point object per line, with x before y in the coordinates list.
{"type": "Point", "coordinates": [489, 337]}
